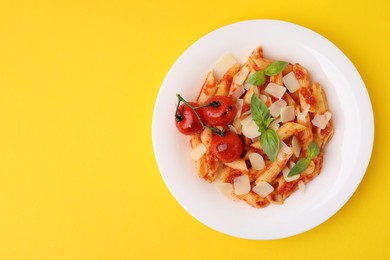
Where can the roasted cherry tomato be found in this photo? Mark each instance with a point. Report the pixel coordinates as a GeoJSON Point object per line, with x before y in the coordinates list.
{"type": "Point", "coordinates": [227, 148]}
{"type": "Point", "coordinates": [186, 120]}
{"type": "Point", "coordinates": [221, 111]}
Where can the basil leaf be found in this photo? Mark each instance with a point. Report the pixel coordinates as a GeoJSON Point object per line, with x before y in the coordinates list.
{"type": "Point", "coordinates": [260, 113]}
{"type": "Point", "coordinates": [269, 141]}
{"type": "Point", "coordinates": [299, 167]}
{"type": "Point", "coordinates": [268, 121]}
{"type": "Point", "coordinates": [312, 150]}
{"type": "Point", "coordinates": [275, 68]}
{"type": "Point", "coordinates": [257, 79]}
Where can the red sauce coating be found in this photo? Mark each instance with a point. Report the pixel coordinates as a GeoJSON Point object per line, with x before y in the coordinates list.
{"type": "Point", "coordinates": [310, 99]}
{"type": "Point", "coordinates": [299, 74]}
{"type": "Point", "coordinates": [326, 130]}
{"type": "Point", "coordinates": [287, 187]}
{"type": "Point", "coordinates": [234, 174]}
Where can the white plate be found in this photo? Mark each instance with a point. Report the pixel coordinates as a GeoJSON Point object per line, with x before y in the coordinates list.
{"type": "Point", "coordinates": [346, 157]}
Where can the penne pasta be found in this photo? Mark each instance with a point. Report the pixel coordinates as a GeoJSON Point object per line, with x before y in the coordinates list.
{"type": "Point", "coordinates": [201, 164]}
{"type": "Point", "coordinates": [223, 86]}
{"type": "Point", "coordinates": [289, 129]}
{"type": "Point", "coordinates": [208, 89]}
{"type": "Point", "coordinates": [272, 170]}
{"type": "Point", "coordinates": [257, 61]}
{"type": "Point", "coordinates": [294, 115]}
{"type": "Point", "coordinates": [211, 160]}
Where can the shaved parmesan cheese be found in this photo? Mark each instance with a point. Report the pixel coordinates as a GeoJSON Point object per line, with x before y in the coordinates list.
{"type": "Point", "coordinates": [296, 145]}
{"type": "Point", "coordinates": [302, 115]}
{"type": "Point", "coordinates": [226, 188]}
{"type": "Point", "coordinates": [291, 82]}
{"type": "Point", "coordinates": [233, 129]}
{"type": "Point", "coordinates": [198, 151]}
{"type": "Point", "coordinates": [223, 64]}
{"type": "Point", "coordinates": [246, 120]}
{"type": "Point", "coordinates": [275, 90]}
{"type": "Point", "coordinates": [287, 113]}
{"type": "Point", "coordinates": [321, 121]}
{"type": "Point", "coordinates": [241, 76]}
{"type": "Point", "coordinates": [276, 121]}
{"type": "Point", "coordinates": [286, 171]}
{"type": "Point", "coordinates": [263, 188]}
{"type": "Point", "coordinates": [250, 130]}
{"type": "Point", "coordinates": [283, 150]}
{"type": "Point", "coordinates": [276, 107]}
{"type": "Point", "coordinates": [239, 105]}
{"type": "Point", "coordinates": [238, 93]}
{"type": "Point", "coordinates": [255, 90]}
{"type": "Point", "coordinates": [247, 86]}
{"type": "Point", "coordinates": [275, 124]}
{"type": "Point", "coordinates": [257, 161]}
{"type": "Point", "coordinates": [242, 185]}
{"type": "Point", "coordinates": [263, 98]}
{"type": "Point", "coordinates": [301, 187]}
{"type": "Point", "coordinates": [292, 164]}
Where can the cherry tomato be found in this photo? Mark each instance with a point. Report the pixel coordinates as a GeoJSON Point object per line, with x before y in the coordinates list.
{"type": "Point", "coordinates": [227, 148]}
{"type": "Point", "coordinates": [186, 120]}
{"type": "Point", "coordinates": [222, 113]}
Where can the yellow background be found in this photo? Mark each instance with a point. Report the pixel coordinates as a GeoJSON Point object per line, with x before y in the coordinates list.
{"type": "Point", "coordinates": [78, 82]}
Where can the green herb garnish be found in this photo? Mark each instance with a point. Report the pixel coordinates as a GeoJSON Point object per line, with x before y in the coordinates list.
{"type": "Point", "coordinates": [275, 68]}
{"type": "Point", "coordinates": [302, 164]}
{"type": "Point", "coordinates": [258, 78]}
{"type": "Point", "coordinates": [269, 139]}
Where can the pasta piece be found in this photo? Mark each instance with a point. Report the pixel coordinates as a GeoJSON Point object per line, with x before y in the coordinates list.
{"type": "Point", "coordinates": [277, 79]}
{"type": "Point", "coordinates": [211, 160]}
{"type": "Point", "coordinates": [228, 174]}
{"type": "Point", "coordinates": [201, 164]}
{"type": "Point", "coordinates": [305, 92]}
{"type": "Point", "coordinates": [289, 129]}
{"type": "Point", "coordinates": [239, 165]}
{"type": "Point", "coordinates": [248, 96]}
{"type": "Point", "coordinates": [223, 86]}
{"type": "Point", "coordinates": [256, 145]}
{"type": "Point", "coordinates": [284, 188]}
{"type": "Point", "coordinates": [322, 136]}
{"type": "Point", "coordinates": [317, 168]}
{"type": "Point", "coordinates": [208, 89]}
{"type": "Point", "coordinates": [306, 136]}
{"type": "Point", "coordinates": [321, 105]}
{"type": "Point", "coordinates": [254, 199]}
{"type": "Point", "coordinates": [301, 75]}
{"type": "Point", "coordinates": [273, 169]}
{"type": "Point", "coordinates": [287, 69]}
{"type": "Point", "coordinates": [239, 79]}
{"type": "Point", "coordinates": [257, 61]}
{"type": "Point", "coordinates": [290, 101]}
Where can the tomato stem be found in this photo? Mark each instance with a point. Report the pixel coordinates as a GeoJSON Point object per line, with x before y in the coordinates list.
{"type": "Point", "coordinates": [179, 117]}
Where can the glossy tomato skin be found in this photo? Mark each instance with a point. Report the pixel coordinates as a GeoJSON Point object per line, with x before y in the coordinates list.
{"type": "Point", "coordinates": [188, 123]}
{"type": "Point", "coordinates": [227, 148]}
{"type": "Point", "coordinates": [220, 115]}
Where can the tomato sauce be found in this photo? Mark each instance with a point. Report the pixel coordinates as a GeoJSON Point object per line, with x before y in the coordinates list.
{"type": "Point", "coordinates": [326, 130]}
{"type": "Point", "coordinates": [299, 74]}
{"type": "Point", "coordinates": [309, 98]}
{"type": "Point", "coordinates": [287, 187]}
